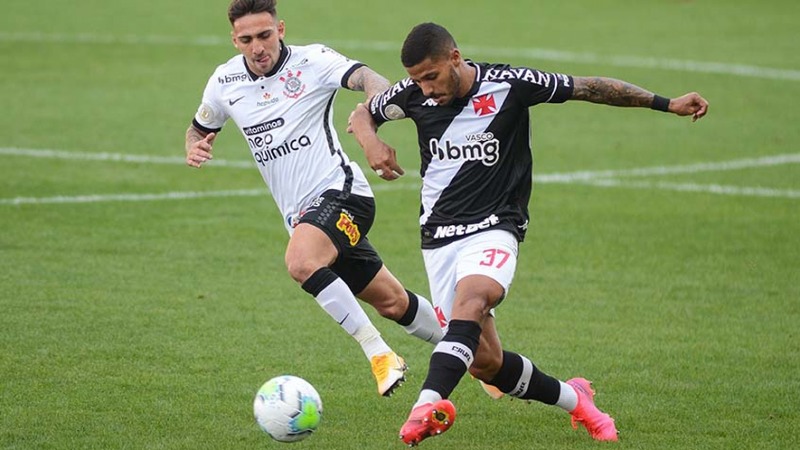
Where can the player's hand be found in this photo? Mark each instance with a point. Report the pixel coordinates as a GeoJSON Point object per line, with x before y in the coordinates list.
{"type": "Point", "coordinates": [383, 160]}
{"type": "Point", "coordinates": [689, 104]}
{"type": "Point", "coordinates": [380, 156]}
{"type": "Point", "coordinates": [200, 151]}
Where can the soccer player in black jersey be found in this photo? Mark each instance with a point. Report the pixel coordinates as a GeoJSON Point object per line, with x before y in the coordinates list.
{"type": "Point", "coordinates": [473, 125]}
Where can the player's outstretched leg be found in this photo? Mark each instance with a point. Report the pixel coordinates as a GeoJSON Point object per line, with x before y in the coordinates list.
{"type": "Point", "coordinates": [390, 372]}
{"type": "Point", "coordinates": [599, 424]}
{"type": "Point", "coordinates": [426, 420]}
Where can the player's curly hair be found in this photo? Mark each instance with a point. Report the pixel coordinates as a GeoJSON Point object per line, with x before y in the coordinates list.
{"type": "Point", "coordinates": [241, 8]}
{"type": "Point", "coordinates": [426, 40]}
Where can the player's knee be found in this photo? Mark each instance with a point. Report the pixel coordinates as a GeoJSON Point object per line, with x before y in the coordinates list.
{"type": "Point", "coordinates": [300, 271]}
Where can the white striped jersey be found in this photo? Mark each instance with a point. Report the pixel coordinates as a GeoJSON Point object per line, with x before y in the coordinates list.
{"type": "Point", "coordinates": [286, 117]}
{"type": "Point", "coordinates": [476, 160]}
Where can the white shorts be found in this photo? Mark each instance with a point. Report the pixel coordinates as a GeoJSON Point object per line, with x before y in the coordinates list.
{"type": "Point", "coordinates": [491, 253]}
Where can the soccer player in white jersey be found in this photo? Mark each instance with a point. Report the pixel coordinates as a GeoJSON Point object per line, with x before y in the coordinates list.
{"type": "Point", "coordinates": [281, 99]}
{"type": "Point", "coordinates": [473, 127]}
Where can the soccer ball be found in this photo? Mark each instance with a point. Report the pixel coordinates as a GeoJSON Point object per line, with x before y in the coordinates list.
{"type": "Point", "coordinates": [288, 408]}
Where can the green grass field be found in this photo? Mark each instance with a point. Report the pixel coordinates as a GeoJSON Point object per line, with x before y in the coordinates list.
{"type": "Point", "coordinates": [142, 303]}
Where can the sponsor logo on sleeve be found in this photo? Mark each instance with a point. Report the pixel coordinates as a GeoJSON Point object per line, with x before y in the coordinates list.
{"type": "Point", "coordinates": [393, 112]}
{"type": "Point", "coordinates": [205, 113]}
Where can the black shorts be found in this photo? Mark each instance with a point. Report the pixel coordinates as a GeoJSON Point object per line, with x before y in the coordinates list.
{"type": "Point", "coordinates": [347, 219]}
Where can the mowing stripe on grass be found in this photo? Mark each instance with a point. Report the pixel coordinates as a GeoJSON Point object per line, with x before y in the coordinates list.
{"type": "Point", "coordinates": [680, 187]}
{"type": "Point", "coordinates": [569, 177]}
{"type": "Point", "coordinates": [180, 195]}
{"type": "Point", "coordinates": [743, 70]}
{"type": "Point", "coordinates": [605, 178]}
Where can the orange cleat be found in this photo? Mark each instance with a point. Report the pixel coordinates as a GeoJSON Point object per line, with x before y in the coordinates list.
{"type": "Point", "coordinates": [390, 372]}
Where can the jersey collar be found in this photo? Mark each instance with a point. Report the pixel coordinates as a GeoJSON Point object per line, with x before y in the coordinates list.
{"type": "Point", "coordinates": [275, 69]}
{"type": "Point", "coordinates": [462, 101]}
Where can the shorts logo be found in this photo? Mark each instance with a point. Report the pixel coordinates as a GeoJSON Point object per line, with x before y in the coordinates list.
{"type": "Point", "coordinates": [293, 86]}
{"type": "Point", "coordinates": [350, 229]}
{"type": "Point", "coordinates": [440, 316]}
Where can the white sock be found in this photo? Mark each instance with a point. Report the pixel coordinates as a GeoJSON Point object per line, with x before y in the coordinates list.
{"type": "Point", "coordinates": [568, 398]}
{"type": "Point", "coordinates": [427, 396]}
{"type": "Point", "coordinates": [337, 300]}
{"type": "Point", "coordinates": [370, 340]}
{"type": "Point", "coordinates": [425, 324]}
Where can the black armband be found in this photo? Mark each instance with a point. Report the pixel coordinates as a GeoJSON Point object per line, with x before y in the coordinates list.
{"type": "Point", "coordinates": [660, 103]}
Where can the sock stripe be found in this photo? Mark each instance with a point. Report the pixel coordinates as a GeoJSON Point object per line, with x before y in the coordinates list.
{"type": "Point", "coordinates": [456, 350]}
{"type": "Point", "coordinates": [522, 385]}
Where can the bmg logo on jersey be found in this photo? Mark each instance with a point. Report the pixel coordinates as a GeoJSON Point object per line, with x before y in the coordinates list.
{"type": "Point", "coordinates": [232, 78]}
{"type": "Point", "coordinates": [481, 147]}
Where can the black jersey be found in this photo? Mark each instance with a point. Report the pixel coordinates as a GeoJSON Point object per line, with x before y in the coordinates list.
{"type": "Point", "coordinates": [476, 161]}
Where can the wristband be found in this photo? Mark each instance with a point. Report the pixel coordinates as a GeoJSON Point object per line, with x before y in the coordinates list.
{"type": "Point", "coordinates": [660, 103]}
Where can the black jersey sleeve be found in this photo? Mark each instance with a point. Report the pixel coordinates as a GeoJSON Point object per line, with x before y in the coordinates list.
{"type": "Point", "coordinates": [392, 103]}
{"type": "Point", "coordinates": [533, 86]}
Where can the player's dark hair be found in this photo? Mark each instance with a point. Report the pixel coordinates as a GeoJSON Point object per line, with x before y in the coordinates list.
{"type": "Point", "coordinates": [241, 8]}
{"type": "Point", "coordinates": [426, 40]}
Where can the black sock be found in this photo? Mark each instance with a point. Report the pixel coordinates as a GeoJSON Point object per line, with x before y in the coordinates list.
{"type": "Point", "coordinates": [411, 312]}
{"type": "Point", "coordinates": [520, 378]}
{"type": "Point", "coordinates": [452, 356]}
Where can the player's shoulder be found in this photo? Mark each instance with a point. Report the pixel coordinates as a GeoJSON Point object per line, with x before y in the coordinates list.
{"type": "Point", "coordinates": [230, 72]}
{"type": "Point", "coordinates": [521, 76]}
{"type": "Point", "coordinates": [503, 72]}
{"type": "Point", "coordinates": [403, 87]}
{"type": "Point", "coordinates": [314, 53]}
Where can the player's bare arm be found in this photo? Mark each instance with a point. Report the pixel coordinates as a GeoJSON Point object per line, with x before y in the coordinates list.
{"type": "Point", "coordinates": [368, 81]}
{"type": "Point", "coordinates": [381, 157]}
{"type": "Point", "coordinates": [609, 91]}
{"type": "Point", "coordinates": [198, 146]}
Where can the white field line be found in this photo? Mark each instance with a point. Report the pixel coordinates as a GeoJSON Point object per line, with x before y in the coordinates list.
{"type": "Point", "coordinates": [736, 164]}
{"type": "Point", "coordinates": [115, 157]}
{"type": "Point", "coordinates": [184, 195]}
{"type": "Point", "coordinates": [742, 70]}
{"type": "Point", "coordinates": [693, 187]}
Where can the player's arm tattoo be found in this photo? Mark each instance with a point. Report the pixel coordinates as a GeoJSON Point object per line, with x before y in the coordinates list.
{"type": "Point", "coordinates": [609, 91]}
{"type": "Point", "coordinates": [367, 80]}
{"type": "Point", "coordinates": [193, 135]}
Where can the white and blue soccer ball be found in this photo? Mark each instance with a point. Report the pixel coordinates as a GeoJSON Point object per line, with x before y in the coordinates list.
{"type": "Point", "coordinates": [288, 408]}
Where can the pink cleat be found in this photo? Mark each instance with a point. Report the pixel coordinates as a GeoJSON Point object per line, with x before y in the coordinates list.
{"type": "Point", "coordinates": [429, 419]}
{"type": "Point", "coordinates": [599, 424]}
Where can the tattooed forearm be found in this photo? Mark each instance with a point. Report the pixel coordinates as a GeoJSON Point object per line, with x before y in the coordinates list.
{"type": "Point", "coordinates": [367, 80]}
{"type": "Point", "coordinates": [193, 135]}
{"type": "Point", "coordinates": [609, 91]}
